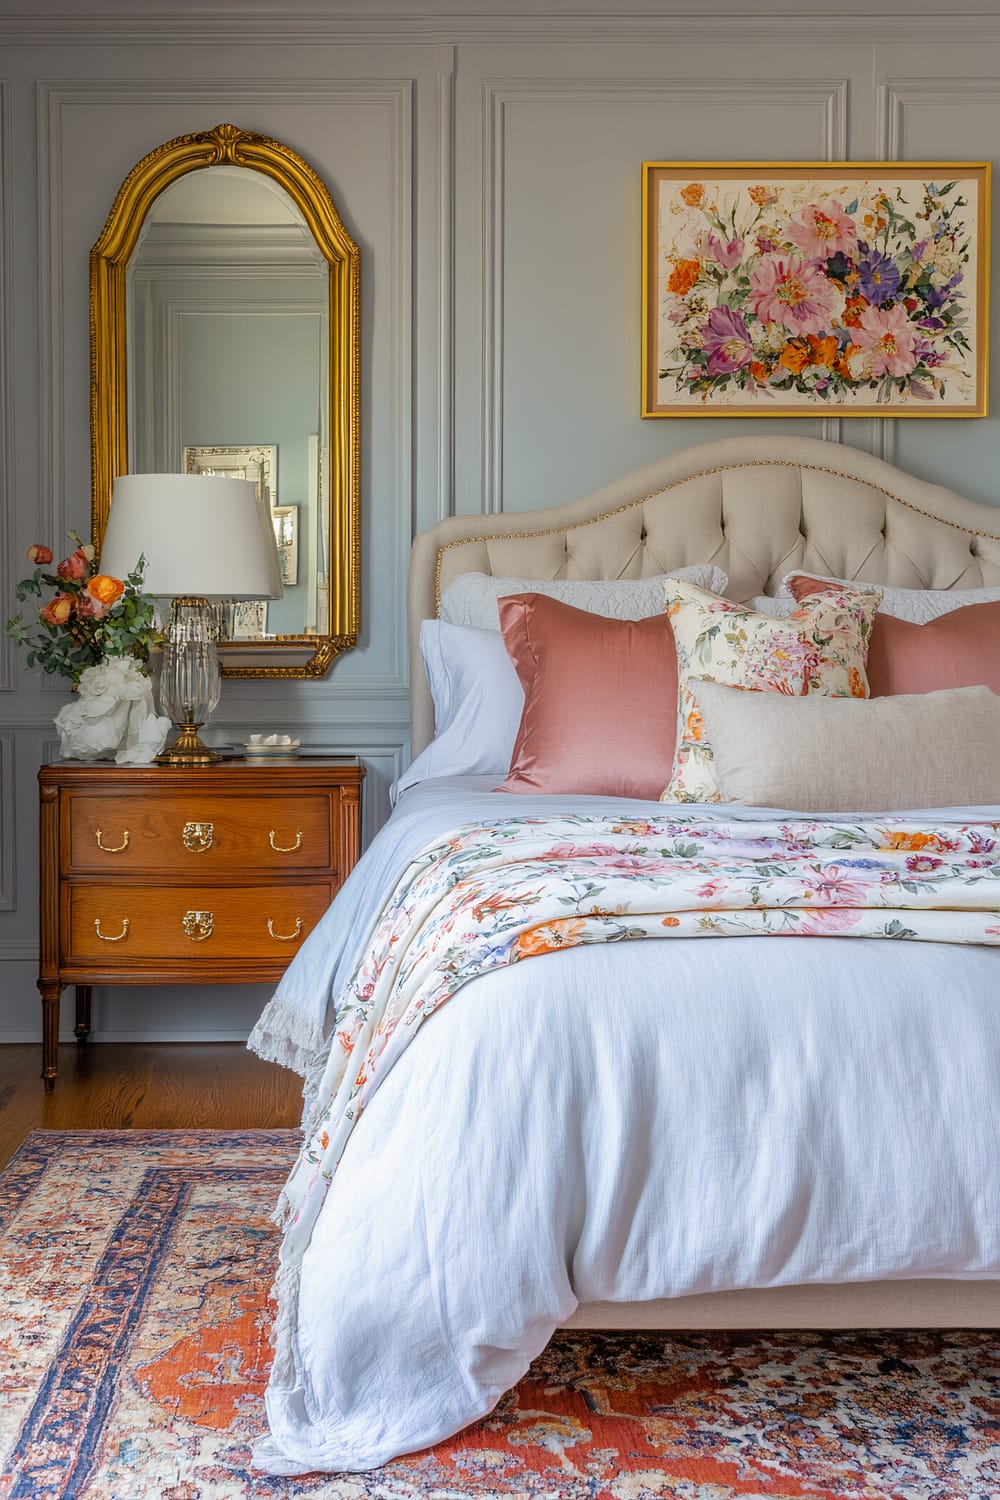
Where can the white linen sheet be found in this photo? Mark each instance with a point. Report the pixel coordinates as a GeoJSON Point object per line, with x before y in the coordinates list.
{"type": "Point", "coordinates": [621, 1123]}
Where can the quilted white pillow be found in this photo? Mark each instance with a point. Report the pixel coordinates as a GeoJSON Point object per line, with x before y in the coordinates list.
{"type": "Point", "coordinates": [919, 606]}
{"type": "Point", "coordinates": [472, 598]}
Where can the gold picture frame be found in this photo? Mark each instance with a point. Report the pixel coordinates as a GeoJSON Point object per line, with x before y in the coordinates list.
{"type": "Point", "coordinates": [815, 288]}
{"type": "Point", "coordinates": [293, 656]}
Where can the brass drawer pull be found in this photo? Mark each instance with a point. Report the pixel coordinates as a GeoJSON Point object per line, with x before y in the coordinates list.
{"type": "Point", "coordinates": [106, 937]}
{"type": "Point", "coordinates": [198, 925]}
{"type": "Point", "coordinates": [286, 848]}
{"type": "Point", "coordinates": [112, 848]}
{"type": "Point", "coordinates": [198, 836]}
{"type": "Point", "coordinates": [284, 937]}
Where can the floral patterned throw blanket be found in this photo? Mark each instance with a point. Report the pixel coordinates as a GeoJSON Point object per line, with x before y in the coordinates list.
{"type": "Point", "coordinates": [491, 895]}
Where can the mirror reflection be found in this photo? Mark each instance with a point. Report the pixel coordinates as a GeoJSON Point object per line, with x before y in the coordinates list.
{"type": "Point", "coordinates": [228, 329]}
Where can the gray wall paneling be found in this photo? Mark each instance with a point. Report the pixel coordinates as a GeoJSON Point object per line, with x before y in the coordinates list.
{"type": "Point", "coordinates": [490, 171]}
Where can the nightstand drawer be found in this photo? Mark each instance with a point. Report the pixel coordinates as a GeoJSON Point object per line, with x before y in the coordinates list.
{"type": "Point", "coordinates": [186, 834]}
{"type": "Point", "coordinates": [209, 874]}
{"type": "Point", "coordinates": [124, 923]}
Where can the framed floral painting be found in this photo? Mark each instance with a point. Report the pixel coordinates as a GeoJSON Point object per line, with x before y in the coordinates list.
{"type": "Point", "coordinates": [807, 288]}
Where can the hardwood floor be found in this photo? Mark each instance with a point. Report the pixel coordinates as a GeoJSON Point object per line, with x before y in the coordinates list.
{"type": "Point", "coordinates": [144, 1086]}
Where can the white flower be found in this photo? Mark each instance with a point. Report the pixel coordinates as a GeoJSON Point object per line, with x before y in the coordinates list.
{"type": "Point", "coordinates": [121, 676]}
{"type": "Point", "coordinates": [946, 261]}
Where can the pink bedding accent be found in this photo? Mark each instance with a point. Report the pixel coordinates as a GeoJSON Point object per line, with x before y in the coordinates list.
{"type": "Point", "coordinates": [600, 700]}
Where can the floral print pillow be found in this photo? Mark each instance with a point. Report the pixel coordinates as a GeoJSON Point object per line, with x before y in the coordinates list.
{"type": "Point", "coordinates": [821, 648]}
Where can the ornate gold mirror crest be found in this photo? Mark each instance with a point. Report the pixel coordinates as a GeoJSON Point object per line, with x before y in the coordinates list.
{"type": "Point", "coordinates": [335, 451]}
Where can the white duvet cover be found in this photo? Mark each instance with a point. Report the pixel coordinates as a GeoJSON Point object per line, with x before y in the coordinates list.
{"type": "Point", "coordinates": [619, 1122]}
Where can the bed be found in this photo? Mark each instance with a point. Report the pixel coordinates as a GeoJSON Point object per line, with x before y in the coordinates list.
{"type": "Point", "coordinates": [832, 1162]}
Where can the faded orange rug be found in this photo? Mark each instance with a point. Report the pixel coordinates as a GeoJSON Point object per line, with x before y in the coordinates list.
{"type": "Point", "coordinates": [134, 1272]}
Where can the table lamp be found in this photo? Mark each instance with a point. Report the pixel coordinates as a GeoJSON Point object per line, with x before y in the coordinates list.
{"type": "Point", "coordinates": [206, 539]}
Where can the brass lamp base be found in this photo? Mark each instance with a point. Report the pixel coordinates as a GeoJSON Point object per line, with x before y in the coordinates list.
{"type": "Point", "coordinates": [187, 749]}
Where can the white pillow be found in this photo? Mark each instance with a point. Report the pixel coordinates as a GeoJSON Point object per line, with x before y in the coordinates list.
{"type": "Point", "coordinates": [472, 598]}
{"type": "Point", "coordinates": [916, 605]}
{"type": "Point", "coordinates": [478, 701]}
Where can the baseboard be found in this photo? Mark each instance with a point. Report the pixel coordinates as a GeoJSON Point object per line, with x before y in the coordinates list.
{"type": "Point", "coordinates": [97, 1037]}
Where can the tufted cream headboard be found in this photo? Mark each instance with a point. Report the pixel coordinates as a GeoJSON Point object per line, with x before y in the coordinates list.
{"type": "Point", "coordinates": [759, 507]}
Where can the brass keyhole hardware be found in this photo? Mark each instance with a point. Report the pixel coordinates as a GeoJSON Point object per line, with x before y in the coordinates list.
{"type": "Point", "coordinates": [198, 836]}
{"type": "Point", "coordinates": [198, 925]}
{"type": "Point", "coordinates": [106, 937]}
{"type": "Point", "coordinates": [112, 848]}
{"type": "Point", "coordinates": [284, 937]}
{"type": "Point", "coordinates": [286, 848]}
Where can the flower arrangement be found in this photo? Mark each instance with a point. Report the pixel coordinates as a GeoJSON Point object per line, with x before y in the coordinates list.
{"type": "Point", "coordinates": [845, 293]}
{"type": "Point", "coordinates": [91, 615]}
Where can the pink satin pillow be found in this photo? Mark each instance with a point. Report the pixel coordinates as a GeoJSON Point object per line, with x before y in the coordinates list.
{"type": "Point", "coordinates": [959, 649]}
{"type": "Point", "coordinates": [600, 700]}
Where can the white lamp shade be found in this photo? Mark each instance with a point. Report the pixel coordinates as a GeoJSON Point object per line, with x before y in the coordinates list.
{"type": "Point", "coordinates": [200, 534]}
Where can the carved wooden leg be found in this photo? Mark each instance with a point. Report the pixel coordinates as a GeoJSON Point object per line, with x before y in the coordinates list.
{"type": "Point", "coordinates": [83, 993]}
{"type": "Point", "coordinates": [50, 1031]}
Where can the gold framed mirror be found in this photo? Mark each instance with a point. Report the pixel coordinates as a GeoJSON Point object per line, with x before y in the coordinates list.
{"type": "Point", "coordinates": [225, 337]}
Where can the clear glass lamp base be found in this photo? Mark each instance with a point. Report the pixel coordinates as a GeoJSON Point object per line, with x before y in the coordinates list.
{"type": "Point", "coordinates": [190, 683]}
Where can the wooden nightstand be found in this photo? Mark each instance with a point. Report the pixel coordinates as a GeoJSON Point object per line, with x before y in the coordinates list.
{"type": "Point", "coordinates": [185, 875]}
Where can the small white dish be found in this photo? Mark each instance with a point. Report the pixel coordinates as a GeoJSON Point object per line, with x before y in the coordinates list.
{"type": "Point", "coordinates": [265, 745]}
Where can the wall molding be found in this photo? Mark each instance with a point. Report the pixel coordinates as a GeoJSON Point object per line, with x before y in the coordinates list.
{"type": "Point", "coordinates": [501, 94]}
{"type": "Point", "coordinates": [170, 313]}
{"type": "Point", "coordinates": [445, 132]}
{"type": "Point", "coordinates": [895, 95]}
{"type": "Point", "coordinates": [325, 21]}
{"type": "Point", "coordinates": [8, 828]}
{"type": "Point", "coordinates": [19, 951]}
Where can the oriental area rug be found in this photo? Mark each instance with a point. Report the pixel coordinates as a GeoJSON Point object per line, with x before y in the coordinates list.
{"type": "Point", "coordinates": [134, 1277]}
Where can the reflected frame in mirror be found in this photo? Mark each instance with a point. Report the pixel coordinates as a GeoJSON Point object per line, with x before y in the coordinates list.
{"type": "Point", "coordinates": [227, 145]}
{"type": "Point", "coordinates": [285, 519]}
{"type": "Point", "coordinates": [257, 462]}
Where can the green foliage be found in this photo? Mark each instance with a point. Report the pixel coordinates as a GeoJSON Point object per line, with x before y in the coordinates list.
{"type": "Point", "coordinates": [79, 624]}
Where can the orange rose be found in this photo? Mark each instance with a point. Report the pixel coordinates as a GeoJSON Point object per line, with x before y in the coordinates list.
{"type": "Point", "coordinates": [759, 371]}
{"type": "Point", "coordinates": [694, 726]}
{"type": "Point", "coordinates": [105, 589]}
{"type": "Point", "coordinates": [58, 610]}
{"type": "Point", "coordinates": [823, 351]}
{"type": "Point", "coordinates": [795, 357]}
{"type": "Point", "coordinates": [857, 686]}
{"type": "Point", "coordinates": [671, 922]}
{"type": "Point", "coordinates": [683, 277]}
{"type": "Point", "coordinates": [693, 194]}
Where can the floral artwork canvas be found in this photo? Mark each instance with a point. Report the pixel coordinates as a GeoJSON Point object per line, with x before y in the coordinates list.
{"type": "Point", "coordinates": [807, 288]}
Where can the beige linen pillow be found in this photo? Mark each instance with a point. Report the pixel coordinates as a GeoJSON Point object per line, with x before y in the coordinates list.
{"type": "Point", "coordinates": [821, 648]}
{"type": "Point", "coordinates": [820, 755]}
